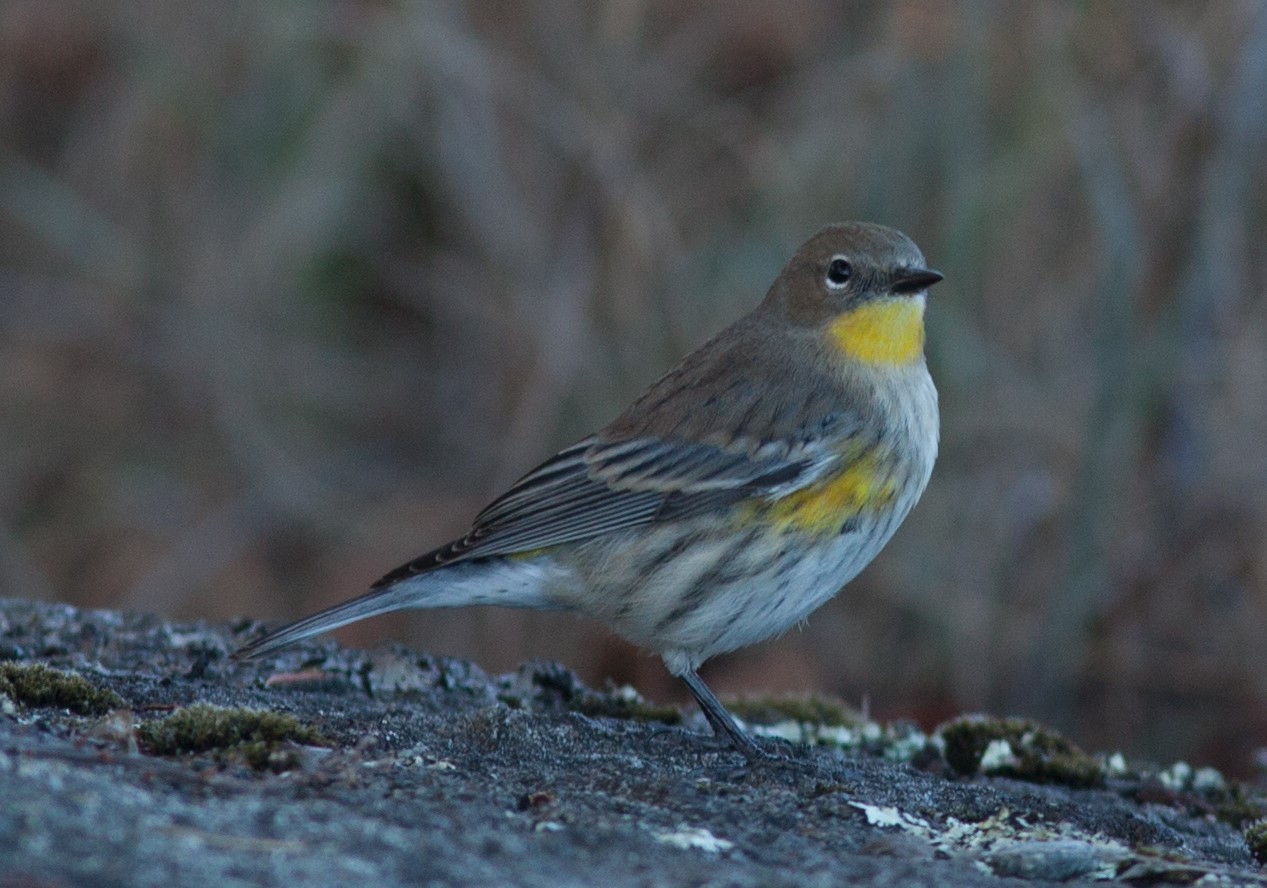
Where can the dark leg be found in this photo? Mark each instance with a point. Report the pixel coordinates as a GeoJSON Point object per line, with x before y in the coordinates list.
{"type": "Point", "coordinates": [722, 721]}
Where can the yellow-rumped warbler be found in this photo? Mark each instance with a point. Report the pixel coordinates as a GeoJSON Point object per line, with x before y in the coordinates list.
{"type": "Point", "coordinates": [736, 495]}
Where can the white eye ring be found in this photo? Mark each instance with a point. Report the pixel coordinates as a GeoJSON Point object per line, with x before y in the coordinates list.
{"type": "Point", "coordinates": [838, 272]}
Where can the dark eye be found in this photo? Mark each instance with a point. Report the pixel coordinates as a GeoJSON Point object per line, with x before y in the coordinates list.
{"type": "Point", "coordinates": [838, 272]}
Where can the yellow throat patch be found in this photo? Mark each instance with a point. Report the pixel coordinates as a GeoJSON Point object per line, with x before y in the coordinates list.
{"type": "Point", "coordinates": [886, 331]}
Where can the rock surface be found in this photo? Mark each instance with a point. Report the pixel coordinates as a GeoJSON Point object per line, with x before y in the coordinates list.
{"type": "Point", "coordinates": [424, 771]}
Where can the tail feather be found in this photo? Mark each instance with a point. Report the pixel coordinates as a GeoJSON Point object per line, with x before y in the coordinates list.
{"type": "Point", "coordinates": [371, 604]}
{"type": "Point", "coordinates": [500, 582]}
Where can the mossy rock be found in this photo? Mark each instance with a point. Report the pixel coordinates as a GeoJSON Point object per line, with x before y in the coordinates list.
{"type": "Point", "coordinates": [257, 736]}
{"type": "Point", "coordinates": [36, 686]}
{"type": "Point", "coordinates": [1032, 752]}
{"type": "Point", "coordinates": [812, 710]}
{"type": "Point", "coordinates": [1256, 839]}
{"type": "Point", "coordinates": [1237, 805]}
{"type": "Point", "coordinates": [616, 705]}
{"type": "Point", "coordinates": [549, 685]}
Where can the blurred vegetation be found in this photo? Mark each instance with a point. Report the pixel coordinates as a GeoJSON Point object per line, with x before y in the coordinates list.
{"type": "Point", "coordinates": [289, 290]}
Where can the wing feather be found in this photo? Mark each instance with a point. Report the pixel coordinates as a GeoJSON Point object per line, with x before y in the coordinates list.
{"type": "Point", "coordinates": [596, 487]}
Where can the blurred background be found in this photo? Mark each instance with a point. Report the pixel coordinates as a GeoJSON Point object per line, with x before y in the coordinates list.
{"type": "Point", "coordinates": [289, 290]}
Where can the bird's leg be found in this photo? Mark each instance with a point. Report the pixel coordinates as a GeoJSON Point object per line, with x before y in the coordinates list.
{"type": "Point", "coordinates": [722, 721]}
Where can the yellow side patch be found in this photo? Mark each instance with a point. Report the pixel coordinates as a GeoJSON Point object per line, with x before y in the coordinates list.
{"type": "Point", "coordinates": [887, 331]}
{"type": "Point", "coordinates": [824, 507]}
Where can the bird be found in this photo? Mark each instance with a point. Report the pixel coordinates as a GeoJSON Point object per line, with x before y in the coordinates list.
{"type": "Point", "coordinates": [736, 495]}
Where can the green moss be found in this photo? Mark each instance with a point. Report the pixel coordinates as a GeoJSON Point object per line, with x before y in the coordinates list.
{"type": "Point", "coordinates": [813, 710]}
{"type": "Point", "coordinates": [37, 686]}
{"type": "Point", "coordinates": [1038, 754]}
{"type": "Point", "coordinates": [254, 735]}
{"type": "Point", "coordinates": [614, 705]}
{"type": "Point", "coordinates": [1256, 839]}
{"type": "Point", "coordinates": [1236, 806]}
{"type": "Point", "coordinates": [551, 687]}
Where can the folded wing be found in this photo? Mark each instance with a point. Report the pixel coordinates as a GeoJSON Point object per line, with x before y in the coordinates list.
{"type": "Point", "coordinates": [596, 487]}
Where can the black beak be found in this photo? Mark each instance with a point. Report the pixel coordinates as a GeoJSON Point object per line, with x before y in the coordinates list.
{"type": "Point", "coordinates": [909, 281]}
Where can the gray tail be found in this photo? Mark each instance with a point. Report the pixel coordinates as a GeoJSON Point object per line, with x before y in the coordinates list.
{"type": "Point", "coordinates": [371, 604]}
{"type": "Point", "coordinates": [500, 582]}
